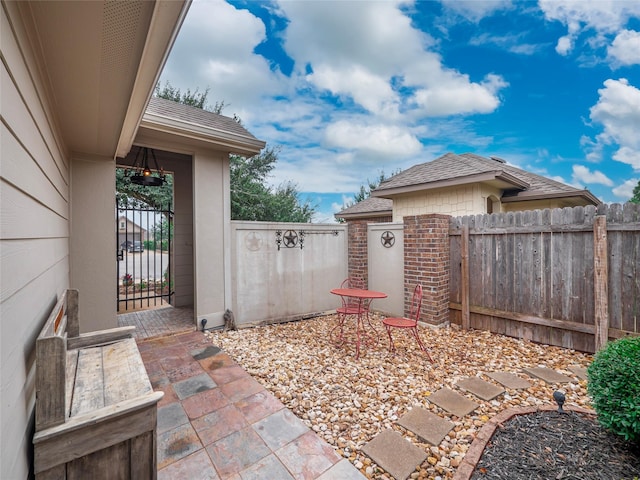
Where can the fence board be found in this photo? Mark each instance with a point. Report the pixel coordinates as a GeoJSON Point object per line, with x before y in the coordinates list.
{"type": "Point", "coordinates": [540, 265]}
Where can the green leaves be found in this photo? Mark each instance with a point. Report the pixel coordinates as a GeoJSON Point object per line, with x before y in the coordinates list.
{"type": "Point", "coordinates": [614, 385]}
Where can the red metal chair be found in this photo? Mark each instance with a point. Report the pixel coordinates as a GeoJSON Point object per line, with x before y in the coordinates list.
{"type": "Point", "coordinates": [410, 323]}
{"type": "Point", "coordinates": [350, 306]}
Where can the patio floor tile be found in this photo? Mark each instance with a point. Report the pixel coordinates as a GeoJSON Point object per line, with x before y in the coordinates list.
{"type": "Point", "coordinates": [397, 458]}
{"type": "Point", "coordinates": [204, 352]}
{"type": "Point", "coordinates": [510, 380]}
{"type": "Point", "coordinates": [219, 424]}
{"type": "Point", "coordinates": [267, 468]}
{"type": "Point", "coordinates": [193, 385]}
{"type": "Point", "coordinates": [453, 402]}
{"type": "Point", "coordinates": [258, 406]}
{"type": "Point", "coordinates": [197, 466]}
{"type": "Point", "coordinates": [171, 416]}
{"type": "Point", "coordinates": [237, 451]}
{"type": "Point", "coordinates": [186, 370]}
{"type": "Point", "coordinates": [280, 428]}
{"type": "Point", "coordinates": [481, 389]}
{"type": "Point", "coordinates": [343, 470]}
{"type": "Point", "coordinates": [307, 456]}
{"type": "Point", "coordinates": [205, 402]}
{"type": "Point", "coordinates": [548, 375]}
{"type": "Point", "coordinates": [426, 425]}
{"type": "Point", "coordinates": [177, 443]}
{"type": "Point", "coordinates": [241, 388]}
{"type": "Point", "coordinates": [228, 374]}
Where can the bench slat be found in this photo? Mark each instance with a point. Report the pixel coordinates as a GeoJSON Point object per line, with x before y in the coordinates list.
{"type": "Point", "coordinates": [124, 372]}
{"type": "Point", "coordinates": [88, 393]}
{"type": "Point", "coordinates": [72, 365]}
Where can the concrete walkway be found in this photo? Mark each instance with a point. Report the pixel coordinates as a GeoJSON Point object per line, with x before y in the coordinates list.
{"type": "Point", "coordinates": [216, 422]}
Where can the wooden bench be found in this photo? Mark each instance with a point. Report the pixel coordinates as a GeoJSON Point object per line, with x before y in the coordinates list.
{"type": "Point", "coordinates": [96, 413]}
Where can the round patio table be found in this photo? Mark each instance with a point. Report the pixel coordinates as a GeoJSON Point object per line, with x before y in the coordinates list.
{"type": "Point", "coordinates": [361, 295]}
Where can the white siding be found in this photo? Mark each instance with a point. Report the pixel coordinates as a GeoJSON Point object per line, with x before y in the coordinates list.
{"type": "Point", "coordinates": [34, 238]}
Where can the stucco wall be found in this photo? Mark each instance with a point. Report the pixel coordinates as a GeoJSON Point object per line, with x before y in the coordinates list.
{"type": "Point", "coordinates": [456, 201]}
{"type": "Point", "coordinates": [34, 237]}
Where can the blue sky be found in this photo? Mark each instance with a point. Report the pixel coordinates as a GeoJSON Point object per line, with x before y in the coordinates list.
{"type": "Point", "coordinates": [349, 89]}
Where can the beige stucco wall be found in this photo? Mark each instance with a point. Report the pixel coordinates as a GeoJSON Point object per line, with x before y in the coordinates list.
{"type": "Point", "coordinates": [93, 241]}
{"type": "Point", "coordinates": [455, 201]}
{"type": "Point", "coordinates": [34, 237]}
{"type": "Point", "coordinates": [535, 205]}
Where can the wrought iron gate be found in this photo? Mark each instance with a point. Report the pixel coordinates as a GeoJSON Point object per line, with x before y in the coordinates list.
{"type": "Point", "coordinates": [144, 240]}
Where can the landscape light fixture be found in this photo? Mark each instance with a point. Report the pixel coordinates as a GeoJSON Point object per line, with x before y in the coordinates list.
{"type": "Point", "coordinates": [142, 173]}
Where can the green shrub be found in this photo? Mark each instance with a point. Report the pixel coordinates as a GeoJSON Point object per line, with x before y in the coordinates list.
{"type": "Point", "coordinates": [614, 386]}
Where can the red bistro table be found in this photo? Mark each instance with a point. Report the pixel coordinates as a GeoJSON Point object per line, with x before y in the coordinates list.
{"type": "Point", "coordinates": [363, 313]}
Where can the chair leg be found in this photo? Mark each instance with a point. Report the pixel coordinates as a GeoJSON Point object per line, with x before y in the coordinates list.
{"type": "Point", "coordinates": [422, 347]}
{"type": "Point", "coordinates": [392, 347]}
{"type": "Point", "coordinates": [339, 326]}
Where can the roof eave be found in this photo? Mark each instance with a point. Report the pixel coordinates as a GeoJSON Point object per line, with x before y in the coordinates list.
{"type": "Point", "coordinates": [530, 196]}
{"type": "Point", "coordinates": [360, 215]}
{"type": "Point", "coordinates": [234, 143]}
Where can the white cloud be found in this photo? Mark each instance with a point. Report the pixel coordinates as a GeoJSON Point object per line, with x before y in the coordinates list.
{"type": "Point", "coordinates": [625, 49]}
{"type": "Point", "coordinates": [625, 191]}
{"type": "Point", "coordinates": [512, 43]}
{"type": "Point", "coordinates": [618, 112]}
{"type": "Point", "coordinates": [582, 174]}
{"type": "Point", "coordinates": [376, 139]}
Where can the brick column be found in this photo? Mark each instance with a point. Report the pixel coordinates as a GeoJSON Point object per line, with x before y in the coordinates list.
{"type": "Point", "coordinates": [358, 266]}
{"type": "Point", "coordinates": [426, 261]}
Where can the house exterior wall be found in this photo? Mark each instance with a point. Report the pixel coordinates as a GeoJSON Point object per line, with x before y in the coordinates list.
{"type": "Point", "coordinates": [535, 205]}
{"type": "Point", "coordinates": [34, 236]}
{"type": "Point", "coordinates": [93, 270]}
{"type": "Point", "coordinates": [456, 201]}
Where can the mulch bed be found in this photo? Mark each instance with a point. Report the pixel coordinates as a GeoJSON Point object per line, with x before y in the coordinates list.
{"type": "Point", "coordinates": [554, 445]}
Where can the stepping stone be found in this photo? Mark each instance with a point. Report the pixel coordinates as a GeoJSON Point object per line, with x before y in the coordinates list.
{"type": "Point", "coordinates": [427, 426]}
{"type": "Point", "coordinates": [392, 452]}
{"type": "Point", "coordinates": [481, 389]}
{"type": "Point", "coordinates": [510, 380]}
{"type": "Point", "coordinates": [547, 375]}
{"type": "Point", "coordinates": [580, 372]}
{"type": "Point", "coordinates": [453, 402]}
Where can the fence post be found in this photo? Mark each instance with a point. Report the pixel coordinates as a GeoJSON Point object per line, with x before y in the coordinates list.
{"type": "Point", "coordinates": [600, 280]}
{"type": "Point", "coordinates": [358, 266]}
{"type": "Point", "coordinates": [464, 277]}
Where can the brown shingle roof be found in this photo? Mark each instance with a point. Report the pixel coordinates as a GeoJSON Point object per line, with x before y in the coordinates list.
{"type": "Point", "coordinates": [451, 169]}
{"type": "Point", "coordinates": [196, 116]}
{"type": "Point", "coordinates": [366, 208]}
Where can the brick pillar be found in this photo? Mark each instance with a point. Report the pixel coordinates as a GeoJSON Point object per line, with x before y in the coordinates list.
{"type": "Point", "coordinates": [357, 251]}
{"type": "Point", "coordinates": [426, 261]}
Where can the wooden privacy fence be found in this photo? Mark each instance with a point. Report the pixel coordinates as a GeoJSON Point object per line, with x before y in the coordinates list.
{"type": "Point", "coordinates": [567, 277]}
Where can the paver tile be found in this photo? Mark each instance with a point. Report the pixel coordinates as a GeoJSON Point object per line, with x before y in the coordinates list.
{"type": "Point", "coordinates": [241, 388]}
{"type": "Point", "coordinates": [481, 389]}
{"type": "Point", "coordinates": [307, 456]}
{"type": "Point", "coordinates": [548, 375]}
{"type": "Point", "coordinates": [258, 406]}
{"type": "Point", "coordinates": [579, 371]}
{"type": "Point", "coordinates": [268, 467]}
{"type": "Point", "coordinates": [192, 385]}
{"type": "Point", "coordinates": [218, 424]}
{"type": "Point", "coordinates": [177, 443]}
{"type": "Point", "coordinates": [205, 402]}
{"type": "Point", "coordinates": [237, 451]}
{"type": "Point", "coordinates": [206, 352]}
{"type": "Point", "coordinates": [280, 428]}
{"type": "Point", "coordinates": [171, 416]}
{"type": "Point", "coordinates": [510, 380]}
{"type": "Point", "coordinates": [197, 465]}
{"type": "Point", "coordinates": [343, 470]}
{"type": "Point", "coordinates": [453, 402]}
{"type": "Point", "coordinates": [428, 426]}
{"type": "Point", "coordinates": [397, 458]}
{"type": "Point", "coordinates": [228, 374]}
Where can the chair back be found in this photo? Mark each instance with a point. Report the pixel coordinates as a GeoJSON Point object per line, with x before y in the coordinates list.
{"type": "Point", "coordinates": [350, 302]}
{"type": "Point", "coordinates": [416, 303]}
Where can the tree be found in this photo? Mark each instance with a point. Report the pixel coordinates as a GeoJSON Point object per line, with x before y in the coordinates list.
{"type": "Point", "coordinates": [194, 99]}
{"type": "Point", "coordinates": [636, 194]}
{"type": "Point", "coordinates": [365, 190]}
{"type": "Point", "coordinates": [253, 199]}
{"type": "Point", "coordinates": [131, 195]}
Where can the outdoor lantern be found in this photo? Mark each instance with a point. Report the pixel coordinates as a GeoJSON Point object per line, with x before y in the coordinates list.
{"type": "Point", "coordinates": [142, 173]}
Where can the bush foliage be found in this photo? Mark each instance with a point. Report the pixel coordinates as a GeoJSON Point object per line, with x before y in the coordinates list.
{"type": "Point", "coordinates": [614, 386]}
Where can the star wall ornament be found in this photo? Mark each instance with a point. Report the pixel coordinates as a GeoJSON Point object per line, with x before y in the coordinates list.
{"type": "Point", "coordinates": [388, 239]}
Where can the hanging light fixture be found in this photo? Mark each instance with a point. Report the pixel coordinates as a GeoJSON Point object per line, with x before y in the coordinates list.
{"type": "Point", "coordinates": [142, 174]}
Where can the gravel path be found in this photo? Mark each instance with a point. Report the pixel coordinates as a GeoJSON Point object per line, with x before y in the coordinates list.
{"type": "Point", "coordinates": [347, 402]}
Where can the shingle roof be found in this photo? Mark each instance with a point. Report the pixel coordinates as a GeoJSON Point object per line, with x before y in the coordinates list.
{"type": "Point", "coordinates": [368, 207]}
{"type": "Point", "coordinates": [467, 167]}
{"type": "Point", "coordinates": [196, 116]}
